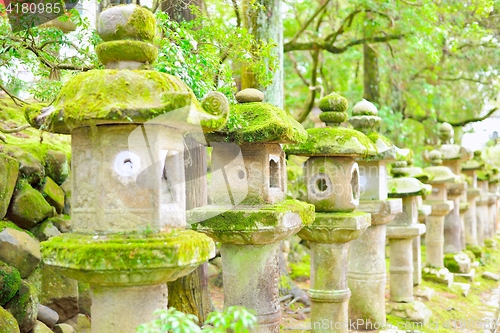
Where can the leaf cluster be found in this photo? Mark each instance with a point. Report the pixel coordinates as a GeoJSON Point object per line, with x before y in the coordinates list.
{"type": "Point", "coordinates": [233, 319]}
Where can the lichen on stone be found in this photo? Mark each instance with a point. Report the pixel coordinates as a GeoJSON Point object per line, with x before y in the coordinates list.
{"type": "Point", "coordinates": [127, 251]}
{"type": "Point", "coordinates": [333, 141]}
{"type": "Point", "coordinates": [249, 218]}
{"type": "Point", "coordinates": [126, 50]}
{"type": "Point", "coordinates": [259, 123]}
{"type": "Point", "coordinates": [125, 96]}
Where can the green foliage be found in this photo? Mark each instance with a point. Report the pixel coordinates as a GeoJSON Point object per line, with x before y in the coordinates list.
{"type": "Point", "coordinates": [45, 53]}
{"type": "Point", "coordinates": [204, 55]}
{"type": "Point", "coordinates": [233, 319]}
{"type": "Point", "coordinates": [301, 269]}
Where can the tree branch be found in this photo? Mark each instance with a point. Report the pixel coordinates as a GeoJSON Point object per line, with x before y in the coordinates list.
{"type": "Point", "coordinates": [347, 21]}
{"type": "Point", "coordinates": [323, 45]}
{"type": "Point", "coordinates": [296, 69]}
{"type": "Point", "coordinates": [237, 13]}
{"type": "Point", "coordinates": [457, 123]}
{"type": "Point", "coordinates": [310, 20]}
{"type": "Point", "coordinates": [14, 130]}
{"type": "Point", "coordinates": [15, 99]}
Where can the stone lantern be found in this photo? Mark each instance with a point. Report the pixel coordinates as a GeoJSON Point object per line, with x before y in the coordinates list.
{"type": "Point", "coordinates": [486, 211]}
{"type": "Point", "coordinates": [423, 211]}
{"type": "Point", "coordinates": [366, 268]}
{"type": "Point", "coordinates": [332, 182]}
{"type": "Point", "coordinates": [469, 169]}
{"type": "Point", "coordinates": [401, 232]}
{"type": "Point", "coordinates": [252, 219]}
{"type": "Point", "coordinates": [453, 155]}
{"type": "Point", "coordinates": [439, 176]}
{"type": "Point", "coordinates": [128, 215]}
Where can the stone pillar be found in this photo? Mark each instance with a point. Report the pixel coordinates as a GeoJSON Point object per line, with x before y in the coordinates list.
{"type": "Point", "coordinates": [128, 175]}
{"type": "Point", "coordinates": [482, 212]}
{"type": "Point", "coordinates": [423, 212]}
{"type": "Point", "coordinates": [401, 232]}
{"type": "Point", "coordinates": [453, 155]}
{"type": "Point", "coordinates": [452, 229]}
{"type": "Point", "coordinates": [251, 279]}
{"type": "Point", "coordinates": [366, 268]}
{"type": "Point", "coordinates": [249, 215]}
{"type": "Point", "coordinates": [469, 169]}
{"type": "Point", "coordinates": [434, 237]}
{"type": "Point", "coordinates": [332, 182]}
{"type": "Point", "coordinates": [464, 207]}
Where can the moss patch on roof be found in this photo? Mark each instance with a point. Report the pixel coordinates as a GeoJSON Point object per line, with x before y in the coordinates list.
{"type": "Point", "coordinates": [333, 141]}
{"type": "Point", "coordinates": [259, 123]}
{"type": "Point", "coordinates": [406, 186]}
{"type": "Point", "coordinates": [125, 96]}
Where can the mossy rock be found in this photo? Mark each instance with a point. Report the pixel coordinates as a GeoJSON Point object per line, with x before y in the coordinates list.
{"type": "Point", "coordinates": [10, 282]}
{"type": "Point", "coordinates": [28, 206]}
{"type": "Point", "coordinates": [451, 263]}
{"type": "Point", "coordinates": [333, 141]}
{"type": "Point", "coordinates": [99, 97]}
{"type": "Point", "coordinates": [20, 250]}
{"type": "Point", "coordinates": [53, 194]}
{"type": "Point", "coordinates": [259, 123]}
{"type": "Point", "coordinates": [477, 250]}
{"type": "Point", "coordinates": [45, 230]}
{"type": "Point", "coordinates": [9, 169]}
{"type": "Point", "coordinates": [59, 292]}
{"type": "Point", "coordinates": [61, 222]}
{"type": "Point", "coordinates": [24, 307]}
{"type": "Point", "coordinates": [8, 323]}
{"type": "Point", "coordinates": [386, 150]}
{"type": "Point", "coordinates": [128, 259]}
{"type": "Point", "coordinates": [31, 166]}
{"type": "Point", "coordinates": [57, 166]}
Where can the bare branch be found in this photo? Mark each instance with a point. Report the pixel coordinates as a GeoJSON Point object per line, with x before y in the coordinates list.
{"type": "Point", "coordinates": [310, 20]}
{"type": "Point", "coordinates": [14, 130]}
{"type": "Point", "coordinates": [237, 13]}
{"type": "Point", "coordinates": [457, 123]}
{"type": "Point", "coordinates": [296, 69]}
{"type": "Point", "coordinates": [14, 98]}
{"type": "Point", "coordinates": [347, 22]}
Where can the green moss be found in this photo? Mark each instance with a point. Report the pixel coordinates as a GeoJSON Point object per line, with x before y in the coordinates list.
{"type": "Point", "coordinates": [126, 50]}
{"type": "Point", "coordinates": [126, 252]}
{"type": "Point", "coordinates": [477, 250]}
{"type": "Point", "coordinates": [332, 141]}
{"type": "Point", "coordinates": [260, 122]}
{"type": "Point", "coordinates": [10, 282]}
{"type": "Point", "coordinates": [333, 102]}
{"type": "Point", "coordinates": [8, 323]}
{"type": "Point", "coordinates": [8, 224]}
{"type": "Point", "coordinates": [301, 269]}
{"type": "Point", "coordinates": [333, 117]}
{"type": "Point", "coordinates": [451, 263]}
{"type": "Point", "coordinates": [124, 96]}
{"type": "Point", "coordinates": [471, 255]}
{"type": "Point", "coordinates": [252, 219]}
{"type": "Point", "coordinates": [141, 25]}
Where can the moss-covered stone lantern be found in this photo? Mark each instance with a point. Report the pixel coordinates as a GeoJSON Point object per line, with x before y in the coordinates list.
{"type": "Point", "coordinates": [453, 155]}
{"type": "Point", "coordinates": [487, 210]}
{"type": "Point", "coordinates": [439, 176]}
{"type": "Point", "coordinates": [127, 126]}
{"type": "Point", "coordinates": [401, 232]}
{"type": "Point", "coordinates": [332, 182]}
{"type": "Point", "coordinates": [366, 268]}
{"type": "Point", "coordinates": [423, 211]}
{"type": "Point", "coordinates": [469, 169]}
{"type": "Point", "coordinates": [252, 217]}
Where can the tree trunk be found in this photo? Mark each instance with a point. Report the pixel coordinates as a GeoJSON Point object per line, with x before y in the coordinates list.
{"type": "Point", "coordinates": [370, 76]}
{"type": "Point", "coordinates": [178, 10]}
{"type": "Point", "coordinates": [189, 294]}
{"type": "Point", "coordinates": [263, 20]}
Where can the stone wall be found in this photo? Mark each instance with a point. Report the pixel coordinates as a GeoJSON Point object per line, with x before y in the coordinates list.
{"type": "Point", "coordinates": [34, 205]}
